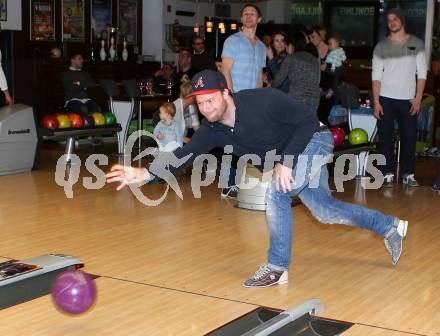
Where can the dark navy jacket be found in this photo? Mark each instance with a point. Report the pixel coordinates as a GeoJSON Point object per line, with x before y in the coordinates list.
{"type": "Point", "coordinates": [266, 119]}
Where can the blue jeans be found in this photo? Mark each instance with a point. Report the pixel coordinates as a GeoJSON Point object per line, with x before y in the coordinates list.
{"type": "Point", "coordinates": [312, 188]}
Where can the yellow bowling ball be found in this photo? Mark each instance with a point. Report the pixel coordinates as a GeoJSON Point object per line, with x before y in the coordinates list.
{"type": "Point", "coordinates": [63, 120]}
{"type": "Point", "coordinates": [99, 118]}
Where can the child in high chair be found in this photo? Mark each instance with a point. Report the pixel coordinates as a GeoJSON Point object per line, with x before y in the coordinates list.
{"type": "Point", "coordinates": [167, 131]}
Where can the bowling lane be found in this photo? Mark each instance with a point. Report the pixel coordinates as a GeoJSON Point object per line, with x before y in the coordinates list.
{"type": "Point", "coordinates": [118, 236]}
{"type": "Point", "coordinates": [124, 308]}
{"type": "Point", "coordinates": [361, 330]}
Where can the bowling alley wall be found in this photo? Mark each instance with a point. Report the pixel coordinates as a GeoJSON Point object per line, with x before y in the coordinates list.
{"type": "Point", "coordinates": [35, 72]}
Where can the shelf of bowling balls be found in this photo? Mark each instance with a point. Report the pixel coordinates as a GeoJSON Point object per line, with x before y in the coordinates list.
{"type": "Point", "coordinates": [355, 143]}
{"type": "Point", "coordinates": [347, 148]}
{"type": "Point", "coordinates": [65, 125]}
{"type": "Point", "coordinates": [62, 133]}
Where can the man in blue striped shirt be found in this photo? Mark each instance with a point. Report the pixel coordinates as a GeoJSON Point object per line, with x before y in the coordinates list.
{"type": "Point", "coordinates": [243, 60]}
{"type": "Point", "coordinates": [244, 55]}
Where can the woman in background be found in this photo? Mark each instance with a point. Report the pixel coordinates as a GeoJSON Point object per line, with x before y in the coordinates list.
{"type": "Point", "coordinates": [303, 72]}
{"type": "Point", "coordinates": [275, 57]}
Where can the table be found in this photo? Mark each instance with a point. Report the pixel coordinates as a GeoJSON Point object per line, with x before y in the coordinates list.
{"type": "Point", "coordinates": [363, 118]}
{"type": "Point", "coordinates": [123, 108]}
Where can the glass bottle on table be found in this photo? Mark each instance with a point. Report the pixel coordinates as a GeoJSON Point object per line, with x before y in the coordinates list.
{"type": "Point", "coordinates": [169, 86]}
{"type": "Point", "coordinates": [141, 85]}
{"type": "Point", "coordinates": [149, 86]}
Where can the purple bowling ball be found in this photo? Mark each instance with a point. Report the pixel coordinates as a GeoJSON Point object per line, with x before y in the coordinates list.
{"type": "Point", "coordinates": [89, 122]}
{"type": "Point", "coordinates": [73, 292]}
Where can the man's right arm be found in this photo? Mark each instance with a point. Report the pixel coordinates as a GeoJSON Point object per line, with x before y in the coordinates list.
{"type": "Point", "coordinates": [228, 59]}
{"type": "Point", "coordinates": [376, 76]}
{"type": "Point", "coordinates": [201, 143]}
{"type": "Point", "coordinates": [227, 64]}
{"type": "Point", "coordinates": [376, 92]}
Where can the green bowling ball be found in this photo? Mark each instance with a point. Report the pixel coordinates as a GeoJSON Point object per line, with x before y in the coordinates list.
{"type": "Point", "coordinates": [358, 136]}
{"type": "Point", "coordinates": [110, 118]}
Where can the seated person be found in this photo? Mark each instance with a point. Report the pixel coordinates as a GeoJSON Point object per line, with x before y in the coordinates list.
{"type": "Point", "coordinates": [75, 83]}
{"type": "Point", "coordinates": [186, 71]}
{"type": "Point", "coordinates": [167, 131]}
{"type": "Point", "coordinates": [186, 112]}
{"type": "Point", "coordinates": [202, 59]}
{"type": "Point", "coordinates": [162, 77]}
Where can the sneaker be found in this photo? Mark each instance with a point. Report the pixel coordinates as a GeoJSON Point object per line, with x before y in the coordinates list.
{"type": "Point", "coordinates": [388, 180]}
{"type": "Point", "coordinates": [229, 192]}
{"type": "Point", "coordinates": [432, 152]}
{"type": "Point", "coordinates": [393, 240]}
{"type": "Point", "coordinates": [265, 277]}
{"type": "Point", "coordinates": [410, 181]}
{"type": "Point", "coordinates": [436, 188]}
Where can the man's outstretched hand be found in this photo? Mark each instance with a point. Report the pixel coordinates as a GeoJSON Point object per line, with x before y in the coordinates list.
{"type": "Point", "coordinates": [127, 175]}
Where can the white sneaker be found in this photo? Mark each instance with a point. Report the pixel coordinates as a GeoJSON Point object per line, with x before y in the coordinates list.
{"type": "Point", "coordinates": [410, 181]}
{"type": "Point", "coordinates": [388, 180]}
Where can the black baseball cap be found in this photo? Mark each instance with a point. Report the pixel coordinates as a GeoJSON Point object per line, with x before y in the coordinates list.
{"type": "Point", "coordinates": [207, 81]}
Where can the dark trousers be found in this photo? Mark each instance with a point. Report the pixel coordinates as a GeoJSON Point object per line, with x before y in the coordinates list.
{"type": "Point", "coordinates": [218, 153]}
{"type": "Point", "coordinates": [397, 109]}
{"type": "Point", "coordinates": [83, 108]}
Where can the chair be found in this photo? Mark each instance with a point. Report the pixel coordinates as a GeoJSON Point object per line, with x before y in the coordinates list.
{"type": "Point", "coordinates": [132, 90]}
{"type": "Point", "coordinates": [111, 90]}
{"type": "Point", "coordinates": [362, 118]}
{"type": "Point", "coordinates": [122, 109]}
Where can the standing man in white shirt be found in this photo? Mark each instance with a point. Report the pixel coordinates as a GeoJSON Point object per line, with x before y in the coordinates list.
{"type": "Point", "coordinates": [4, 85]}
{"type": "Point", "coordinates": [399, 76]}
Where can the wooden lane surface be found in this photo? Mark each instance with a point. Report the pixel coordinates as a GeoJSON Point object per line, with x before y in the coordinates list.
{"type": "Point", "coordinates": [361, 330]}
{"type": "Point", "coordinates": [209, 247]}
{"type": "Point", "coordinates": [124, 308]}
